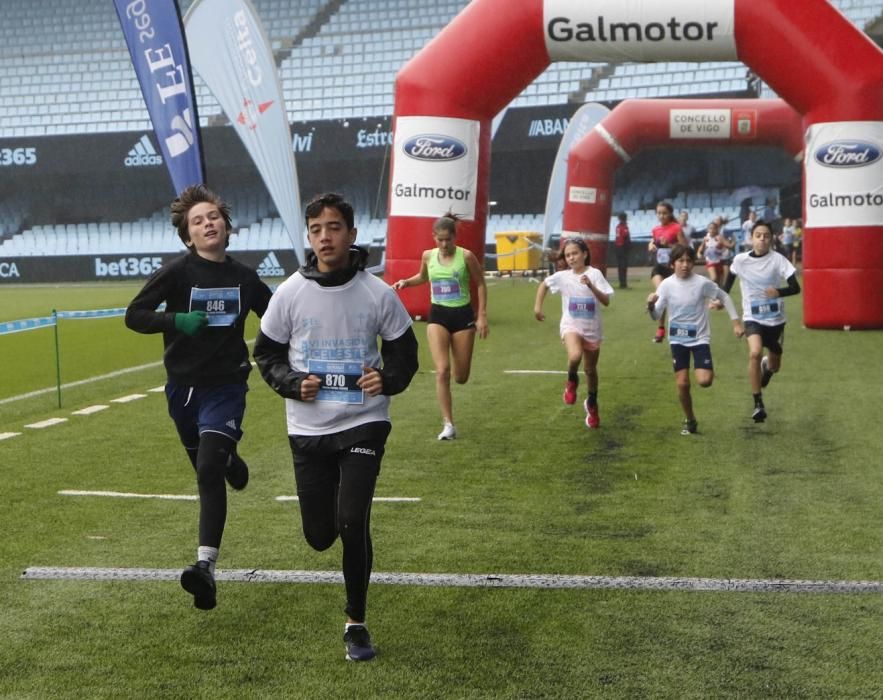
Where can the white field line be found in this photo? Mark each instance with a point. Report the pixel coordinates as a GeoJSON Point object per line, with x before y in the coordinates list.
{"type": "Point", "coordinates": [90, 380]}
{"type": "Point", "coordinates": [6, 436]}
{"type": "Point", "coordinates": [46, 423]}
{"type": "Point", "coordinates": [89, 410]}
{"type": "Point", "coordinates": [81, 382]}
{"type": "Point", "coordinates": [376, 499]}
{"type": "Point", "coordinates": [122, 494]}
{"type": "Point", "coordinates": [173, 497]}
{"type": "Point", "coordinates": [534, 371]}
{"type": "Point", "coordinates": [129, 398]}
{"type": "Point", "coordinates": [549, 581]}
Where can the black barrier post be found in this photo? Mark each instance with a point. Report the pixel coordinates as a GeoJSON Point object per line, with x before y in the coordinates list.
{"type": "Point", "coordinates": [57, 357]}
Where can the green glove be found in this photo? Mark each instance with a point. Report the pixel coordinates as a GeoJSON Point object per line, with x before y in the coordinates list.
{"type": "Point", "coordinates": [191, 323]}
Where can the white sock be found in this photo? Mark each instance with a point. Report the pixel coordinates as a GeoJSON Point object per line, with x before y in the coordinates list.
{"type": "Point", "coordinates": [353, 624]}
{"type": "Point", "coordinates": [209, 554]}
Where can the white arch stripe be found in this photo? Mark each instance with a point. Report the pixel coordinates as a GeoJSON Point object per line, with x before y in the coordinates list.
{"type": "Point", "coordinates": [550, 581]}
{"type": "Point", "coordinates": [613, 143]}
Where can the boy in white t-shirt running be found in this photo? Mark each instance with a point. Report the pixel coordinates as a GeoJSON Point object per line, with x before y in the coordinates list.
{"type": "Point", "coordinates": [761, 273]}
{"type": "Point", "coordinates": [318, 348]}
{"type": "Point", "coordinates": [686, 297]}
{"type": "Point", "coordinates": [582, 288]}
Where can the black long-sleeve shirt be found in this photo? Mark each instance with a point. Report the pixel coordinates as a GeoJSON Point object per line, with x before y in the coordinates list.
{"type": "Point", "coordinates": [218, 354]}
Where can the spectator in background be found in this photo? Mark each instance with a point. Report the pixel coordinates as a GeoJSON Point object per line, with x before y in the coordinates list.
{"type": "Point", "coordinates": [747, 225]}
{"type": "Point", "coordinates": [786, 238]}
{"type": "Point", "coordinates": [769, 211]}
{"type": "Point", "coordinates": [797, 241]}
{"type": "Point", "coordinates": [622, 244]}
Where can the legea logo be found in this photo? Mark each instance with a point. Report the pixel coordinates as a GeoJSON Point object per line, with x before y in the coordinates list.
{"type": "Point", "coordinates": [847, 154]}
{"type": "Point", "coordinates": [433, 147]}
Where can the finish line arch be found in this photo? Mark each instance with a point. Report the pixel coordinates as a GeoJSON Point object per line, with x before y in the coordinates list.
{"type": "Point", "coordinates": [810, 54]}
{"type": "Point", "coordinates": [637, 124]}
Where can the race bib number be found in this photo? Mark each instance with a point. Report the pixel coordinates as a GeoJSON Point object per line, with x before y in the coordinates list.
{"type": "Point", "coordinates": [683, 331]}
{"type": "Point", "coordinates": [581, 307]}
{"type": "Point", "coordinates": [766, 308]}
{"type": "Point", "coordinates": [221, 304]}
{"type": "Point", "coordinates": [663, 255]}
{"type": "Point", "coordinates": [338, 381]}
{"type": "Point", "coordinates": [446, 290]}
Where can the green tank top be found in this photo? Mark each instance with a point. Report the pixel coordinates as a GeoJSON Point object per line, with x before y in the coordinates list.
{"type": "Point", "coordinates": [449, 283]}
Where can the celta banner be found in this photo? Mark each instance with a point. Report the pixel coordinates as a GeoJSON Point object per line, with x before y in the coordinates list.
{"type": "Point", "coordinates": [231, 52]}
{"type": "Point", "coordinates": [579, 125]}
{"type": "Point", "coordinates": [155, 38]}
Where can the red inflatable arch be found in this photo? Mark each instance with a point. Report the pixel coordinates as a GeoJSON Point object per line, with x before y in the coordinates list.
{"type": "Point", "coordinates": [637, 124]}
{"type": "Point", "coordinates": [810, 54]}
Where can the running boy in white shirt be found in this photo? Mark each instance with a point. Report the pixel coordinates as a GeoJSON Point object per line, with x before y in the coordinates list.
{"type": "Point", "coordinates": [686, 298]}
{"type": "Point", "coordinates": [581, 286]}
{"type": "Point", "coordinates": [317, 347]}
{"type": "Point", "coordinates": [761, 273]}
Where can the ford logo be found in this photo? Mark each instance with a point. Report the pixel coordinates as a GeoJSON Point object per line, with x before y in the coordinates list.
{"type": "Point", "coordinates": [434, 147]}
{"type": "Point", "coordinates": [847, 154]}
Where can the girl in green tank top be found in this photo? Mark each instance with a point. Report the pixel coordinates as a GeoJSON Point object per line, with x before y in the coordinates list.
{"type": "Point", "coordinates": [452, 323]}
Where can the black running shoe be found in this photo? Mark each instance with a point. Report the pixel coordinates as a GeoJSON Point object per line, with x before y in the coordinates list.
{"type": "Point", "coordinates": [358, 644]}
{"type": "Point", "coordinates": [759, 414]}
{"type": "Point", "coordinates": [765, 373]}
{"type": "Point", "coordinates": [689, 427]}
{"type": "Point", "coordinates": [236, 472]}
{"type": "Point", "coordinates": [200, 583]}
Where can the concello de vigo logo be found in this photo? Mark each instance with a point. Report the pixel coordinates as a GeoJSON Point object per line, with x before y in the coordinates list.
{"type": "Point", "coordinates": [847, 154]}
{"type": "Point", "coordinates": [434, 147]}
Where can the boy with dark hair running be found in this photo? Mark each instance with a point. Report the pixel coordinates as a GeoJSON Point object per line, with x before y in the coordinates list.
{"type": "Point", "coordinates": [686, 296]}
{"type": "Point", "coordinates": [761, 273]}
{"type": "Point", "coordinates": [317, 348]}
{"type": "Point", "coordinates": [208, 296]}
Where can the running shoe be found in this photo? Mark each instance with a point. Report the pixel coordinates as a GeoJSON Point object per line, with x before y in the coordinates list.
{"type": "Point", "coordinates": [593, 420]}
{"type": "Point", "coordinates": [689, 427]}
{"type": "Point", "coordinates": [765, 373]}
{"type": "Point", "coordinates": [236, 472]}
{"type": "Point", "coordinates": [570, 393]}
{"type": "Point", "coordinates": [358, 644]}
{"type": "Point", "coordinates": [449, 432]}
{"type": "Point", "coordinates": [660, 335]}
{"type": "Point", "coordinates": [759, 414]}
{"type": "Point", "coordinates": [200, 583]}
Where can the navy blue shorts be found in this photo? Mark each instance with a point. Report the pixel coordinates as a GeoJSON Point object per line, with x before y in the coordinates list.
{"type": "Point", "coordinates": [453, 318]}
{"type": "Point", "coordinates": [215, 409]}
{"type": "Point", "coordinates": [680, 356]}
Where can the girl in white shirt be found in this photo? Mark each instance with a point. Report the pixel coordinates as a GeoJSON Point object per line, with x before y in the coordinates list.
{"type": "Point", "coordinates": [582, 288]}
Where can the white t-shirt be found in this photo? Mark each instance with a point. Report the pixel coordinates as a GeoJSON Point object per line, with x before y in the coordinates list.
{"type": "Point", "coordinates": [332, 332]}
{"type": "Point", "coordinates": [687, 304]}
{"type": "Point", "coordinates": [713, 249]}
{"type": "Point", "coordinates": [755, 275]}
{"type": "Point", "coordinates": [580, 310]}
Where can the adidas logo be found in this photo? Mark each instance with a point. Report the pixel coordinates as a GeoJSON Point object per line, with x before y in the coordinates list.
{"type": "Point", "coordinates": [270, 266]}
{"type": "Point", "coordinates": [231, 424]}
{"type": "Point", "coordinates": [142, 153]}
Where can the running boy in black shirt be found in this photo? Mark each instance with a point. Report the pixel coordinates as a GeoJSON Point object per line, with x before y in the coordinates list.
{"type": "Point", "coordinates": [208, 296]}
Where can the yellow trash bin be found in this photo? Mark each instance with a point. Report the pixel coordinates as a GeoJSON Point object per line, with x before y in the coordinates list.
{"type": "Point", "coordinates": [519, 250]}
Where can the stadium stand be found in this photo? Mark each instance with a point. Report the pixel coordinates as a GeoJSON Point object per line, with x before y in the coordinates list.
{"type": "Point", "coordinates": [65, 70]}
